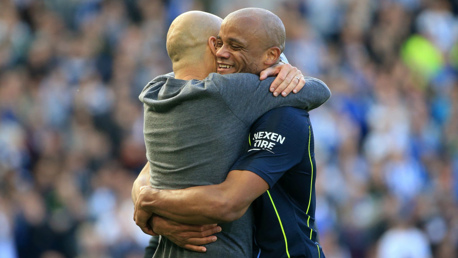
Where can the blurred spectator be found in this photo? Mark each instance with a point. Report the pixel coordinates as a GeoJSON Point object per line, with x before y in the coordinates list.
{"type": "Point", "coordinates": [71, 140]}
{"type": "Point", "coordinates": [404, 241]}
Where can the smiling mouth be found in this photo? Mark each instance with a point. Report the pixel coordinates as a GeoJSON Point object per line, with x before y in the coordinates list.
{"type": "Point", "coordinates": [223, 66]}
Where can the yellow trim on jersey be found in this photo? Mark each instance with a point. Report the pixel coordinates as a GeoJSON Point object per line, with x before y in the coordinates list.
{"type": "Point", "coordinates": [281, 225]}
{"type": "Point", "coordinates": [311, 184]}
{"type": "Point", "coordinates": [311, 165]}
{"type": "Point", "coordinates": [308, 225]}
{"type": "Point", "coordinates": [319, 253]}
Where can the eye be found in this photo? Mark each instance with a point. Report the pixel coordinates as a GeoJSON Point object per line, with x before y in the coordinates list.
{"type": "Point", "coordinates": [235, 47]}
{"type": "Point", "coordinates": [219, 44]}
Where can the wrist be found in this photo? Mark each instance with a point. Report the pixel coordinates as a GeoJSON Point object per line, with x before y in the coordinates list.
{"type": "Point", "coordinates": [148, 198]}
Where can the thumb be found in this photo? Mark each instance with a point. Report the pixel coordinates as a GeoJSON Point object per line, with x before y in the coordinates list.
{"type": "Point", "coordinates": [263, 75]}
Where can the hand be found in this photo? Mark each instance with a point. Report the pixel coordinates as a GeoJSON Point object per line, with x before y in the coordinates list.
{"type": "Point", "coordinates": [143, 213]}
{"type": "Point", "coordinates": [141, 180]}
{"type": "Point", "coordinates": [190, 237]}
{"type": "Point", "coordinates": [289, 78]}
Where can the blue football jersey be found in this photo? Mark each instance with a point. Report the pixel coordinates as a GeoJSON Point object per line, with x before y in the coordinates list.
{"type": "Point", "coordinates": [281, 152]}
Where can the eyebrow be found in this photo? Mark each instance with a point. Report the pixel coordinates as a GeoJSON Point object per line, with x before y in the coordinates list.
{"type": "Point", "coordinates": [231, 40]}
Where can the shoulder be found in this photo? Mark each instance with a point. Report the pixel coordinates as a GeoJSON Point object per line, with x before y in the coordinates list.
{"type": "Point", "coordinates": [287, 113]}
{"type": "Point", "coordinates": [240, 79]}
{"type": "Point", "coordinates": [233, 76]}
{"type": "Point", "coordinates": [165, 87]}
{"type": "Point", "coordinates": [158, 81]}
{"type": "Point", "coordinates": [284, 118]}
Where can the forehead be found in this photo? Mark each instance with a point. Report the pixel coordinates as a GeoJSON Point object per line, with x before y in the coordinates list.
{"type": "Point", "coordinates": [244, 30]}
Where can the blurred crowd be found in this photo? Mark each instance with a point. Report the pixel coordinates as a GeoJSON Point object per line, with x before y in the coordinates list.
{"type": "Point", "coordinates": [71, 140]}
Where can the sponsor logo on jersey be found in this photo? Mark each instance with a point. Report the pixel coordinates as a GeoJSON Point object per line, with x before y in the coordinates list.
{"type": "Point", "coordinates": [266, 141]}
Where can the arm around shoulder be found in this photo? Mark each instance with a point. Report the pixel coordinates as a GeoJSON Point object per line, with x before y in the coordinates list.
{"type": "Point", "coordinates": [316, 92]}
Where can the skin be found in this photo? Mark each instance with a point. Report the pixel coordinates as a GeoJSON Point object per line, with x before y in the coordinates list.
{"type": "Point", "coordinates": [186, 235]}
{"type": "Point", "coordinates": [190, 44]}
{"type": "Point", "coordinates": [192, 47]}
{"type": "Point", "coordinates": [238, 51]}
{"type": "Point", "coordinates": [220, 203]}
{"type": "Point", "coordinates": [253, 52]}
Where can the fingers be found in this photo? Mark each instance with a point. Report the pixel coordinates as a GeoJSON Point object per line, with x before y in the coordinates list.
{"type": "Point", "coordinates": [270, 71]}
{"type": "Point", "coordinates": [151, 225]}
{"type": "Point", "coordinates": [289, 82]}
{"type": "Point", "coordinates": [289, 79]}
{"type": "Point", "coordinates": [201, 234]}
{"type": "Point", "coordinates": [195, 248]}
{"type": "Point", "coordinates": [208, 226]}
{"type": "Point", "coordinates": [210, 231]}
{"type": "Point", "coordinates": [190, 237]}
{"type": "Point", "coordinates": [283, 72]}
{"type": "Point", "coordinates": [194, 244]}
{"type": "Point", "coordinates": [300, 85]}
{"type": "Point", "coordinates": [197, 231]}
{"type": "Point", "coordinates": [142, 211]}
{"type": "Point", "coordinates": [201, 240]}
{"type": "Point", "coordinates": [296, 84]}
{"type": "Point", "coordinates": [141, 219]}
{"type": "Point", "coordinates": [146, 229]}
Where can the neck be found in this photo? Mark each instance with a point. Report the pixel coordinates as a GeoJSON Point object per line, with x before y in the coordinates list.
{"type": "Point", "coordinates": [189, 72]}
{"type": "Point", "coordinates": [188, 75]}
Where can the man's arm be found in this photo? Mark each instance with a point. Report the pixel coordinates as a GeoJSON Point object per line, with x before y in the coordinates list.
{"type": "Point", "coordinates": [141, 180]}
{"type": "Point", "coordinates": [223, 202]}
{"type": "Point", "coordinates": [191, 237]}
{"type": "Point", "coordinates": [248, 98]}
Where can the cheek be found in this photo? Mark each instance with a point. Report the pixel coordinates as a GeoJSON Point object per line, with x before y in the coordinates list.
{"type": "Point", "coordinates": [251, 63]}
{"type": "Point", "coordinates": [244, 60]}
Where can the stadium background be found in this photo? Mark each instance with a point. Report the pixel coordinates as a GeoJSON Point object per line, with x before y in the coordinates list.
{"type": "Point", "coordinates": [71, 138]}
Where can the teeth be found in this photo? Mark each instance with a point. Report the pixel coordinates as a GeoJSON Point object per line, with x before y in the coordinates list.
{"type": "Point", "coordinates": [225, 66]}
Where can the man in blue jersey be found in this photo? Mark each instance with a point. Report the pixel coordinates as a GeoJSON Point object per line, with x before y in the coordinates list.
{"type": "Point", "coordinates": [289, 158]}
{"type": "Point", "coordinates": [282, 154]}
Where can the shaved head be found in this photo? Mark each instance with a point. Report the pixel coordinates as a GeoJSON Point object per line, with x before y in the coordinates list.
{"type": "Point", "coordinates": [249, 41]}
{"type": "Point", "coordinates": [267, 26]}
{"type": "Point", "coordinates": [188, 34]}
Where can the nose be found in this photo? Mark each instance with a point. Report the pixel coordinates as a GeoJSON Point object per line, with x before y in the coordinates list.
{"type": "Point", "coordinates": [223, 52]}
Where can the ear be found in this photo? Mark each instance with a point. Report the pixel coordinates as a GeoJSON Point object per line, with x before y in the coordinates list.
{"type": "Point", "coordinates": [272, 56]}
{"type": "Point", "coordinates": [212, 44]}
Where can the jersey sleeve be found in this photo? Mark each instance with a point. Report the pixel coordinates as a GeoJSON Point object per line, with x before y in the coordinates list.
{"type": "Point", "coordinates": [278, 141]}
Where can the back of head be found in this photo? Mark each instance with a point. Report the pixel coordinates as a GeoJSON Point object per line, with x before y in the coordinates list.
{"type": "Point", "coordinates": [188, 34]}
{"type": "Point", "coordinates": [268, 26]}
